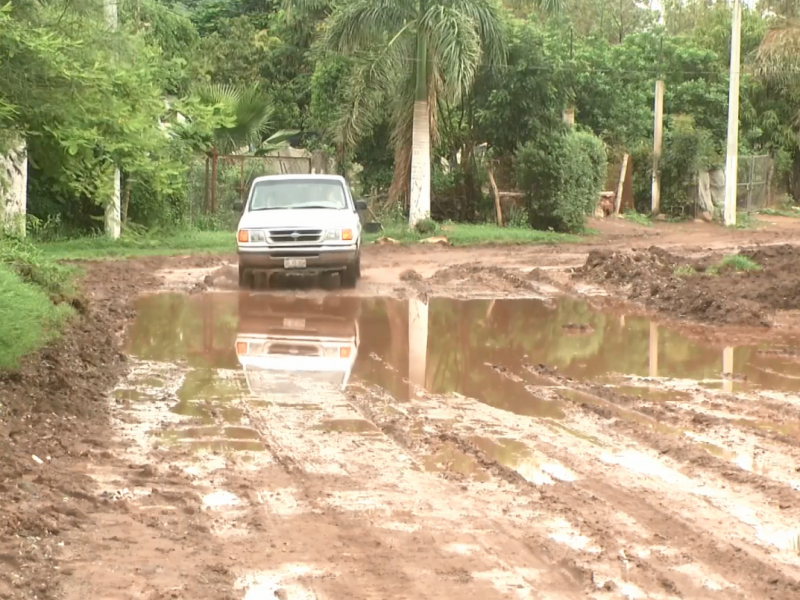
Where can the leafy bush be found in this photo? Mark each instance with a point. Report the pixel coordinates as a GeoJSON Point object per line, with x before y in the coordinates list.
{"type": "Point", "coordinates": [426, 227]}
{"type": "Point", "coordinates": [687, 151]}
{"type": "Point", "coordinates": [561, 175]}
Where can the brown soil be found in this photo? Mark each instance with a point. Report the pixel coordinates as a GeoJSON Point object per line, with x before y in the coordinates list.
{"type": "Point", "coordinates": [713, 295]}
{"type": "Point", "coordinates": [95, 516]}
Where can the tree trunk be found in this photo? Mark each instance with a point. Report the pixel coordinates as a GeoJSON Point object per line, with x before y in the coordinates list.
{"type": "Point", "coordinates": [420, 186]}
{"type": "Point", "coordinates": [14, 189]}
{"type": "Point", "coordinates": [112, 217]}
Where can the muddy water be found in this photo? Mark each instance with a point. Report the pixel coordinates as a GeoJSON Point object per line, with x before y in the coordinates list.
{"type": "Point", "coordinates": [432, 418]}
{"type": "Point", "coordinates": [476, 348]}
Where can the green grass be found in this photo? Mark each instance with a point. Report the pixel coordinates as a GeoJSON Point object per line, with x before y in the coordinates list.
{"type": "Point", "coordinates": [638, 218]}
{"type": "Point", "coordinates": [685, 271]}
{"type": "Point", "coordinates": [745, 220]}
{"type": "Point", "coordinates": [732, 262]}
{"type": "Point", "coordinates": [34, 291]}
{"type": "Point", "coordinates": [467, 234]}
{"type": "Point", "coordinates": [156, 244]}
{"type": "Point", "coordinates": [28, 317]}
{"type": "Point", "coordinates": [217, 242]}
{"type": "Point", "coordinates": [737, 262]}
{"type": "Point", "coordinates": [788, 211]}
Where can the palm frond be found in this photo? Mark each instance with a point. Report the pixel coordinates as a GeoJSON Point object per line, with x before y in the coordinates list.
{"type": "Point", "coordinates": [296, 9]}
{"type": "Point", "coordinates": [373, 80]}
{"type": "Point", "coordinates": [777, 59]}
{"type": "Point", "coordinates": [487, 16]}
{"type": "Point", "coordinates": [548, 7]}
{"type": "Point", "coordinates": [402, 115]}
{"type": "Point", "coordinates": [277, 141]}
{"type": "Point", "coordinates": [454, 46]}
{"type": "Point", "coordinates": [359, 24]}
{"type": "Point", "coordinates": [249, 112]}
{"type": "Point", "coordinates": [218, 93]}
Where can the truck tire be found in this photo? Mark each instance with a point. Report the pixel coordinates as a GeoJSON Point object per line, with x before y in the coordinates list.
{"type": "Point", "coordinates": [349, 276]}
{"type": "Point", "coordinates": [247, 279]}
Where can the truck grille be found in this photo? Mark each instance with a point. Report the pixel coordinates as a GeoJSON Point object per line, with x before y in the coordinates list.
{"type": "Point", "coordinates": [291, 236]}
{"type": "Point", "coordinates": [294, 349]}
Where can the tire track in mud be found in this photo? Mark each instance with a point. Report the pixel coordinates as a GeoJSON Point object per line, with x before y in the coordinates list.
{"type": "Point", "coordinates": [754, 569]}
{"type": "Point", "coordinates": [609, 569]}
{"type": "Point", "coordinates": [433, 553]}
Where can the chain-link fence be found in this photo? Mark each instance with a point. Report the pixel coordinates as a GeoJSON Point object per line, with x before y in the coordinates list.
{"type": "Point", "coordinates": [216, 182]}
{"type": "Point", "coordinates": [753, 186]}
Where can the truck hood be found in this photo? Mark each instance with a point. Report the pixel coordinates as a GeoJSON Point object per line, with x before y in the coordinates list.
{"type": "Point", "coordinates": [323, 218]}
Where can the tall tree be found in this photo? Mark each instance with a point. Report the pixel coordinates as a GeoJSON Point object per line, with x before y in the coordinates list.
{"type": "Point", "coordinates": [410, 55]}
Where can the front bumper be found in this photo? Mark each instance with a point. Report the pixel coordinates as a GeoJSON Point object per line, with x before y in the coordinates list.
{"type": "Point", "coordinates": [318, 258]}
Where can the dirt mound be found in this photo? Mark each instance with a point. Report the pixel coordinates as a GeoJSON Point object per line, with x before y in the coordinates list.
{"type": "Point", "coordinates": [491, 277]}
{"type": "Point", "coordinates": [710, 290]}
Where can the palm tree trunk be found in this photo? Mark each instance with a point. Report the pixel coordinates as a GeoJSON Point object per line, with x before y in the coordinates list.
{"type": "Point", "coordinates": [420, 188]}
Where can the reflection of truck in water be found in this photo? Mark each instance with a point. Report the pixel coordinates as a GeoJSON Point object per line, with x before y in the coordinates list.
{"type": "Point", "coordinates": [283, 341]}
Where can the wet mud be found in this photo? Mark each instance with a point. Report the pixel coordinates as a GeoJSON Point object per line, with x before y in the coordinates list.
{"type": "Point", "coordinates": [464, 424]}
{"type": "Point", "coordinates": [615, 464]}
{"type": "Point", "coordinates": [706, 288]}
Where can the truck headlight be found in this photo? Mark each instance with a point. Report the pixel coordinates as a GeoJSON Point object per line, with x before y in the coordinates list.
{"type": "Point", "coordinates": [247, 236]}
{"type": "Point", "coordinates": [332, 234]}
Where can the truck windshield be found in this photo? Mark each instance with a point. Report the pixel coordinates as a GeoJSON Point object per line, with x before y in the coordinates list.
{"type": "Point", "coordinates": [288, 194]}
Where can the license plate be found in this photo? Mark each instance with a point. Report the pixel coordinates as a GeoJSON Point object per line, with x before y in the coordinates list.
{"type": "Point", "coordinates": [294, 323]}
{"type": "Point", "coordinates": [294, 263]}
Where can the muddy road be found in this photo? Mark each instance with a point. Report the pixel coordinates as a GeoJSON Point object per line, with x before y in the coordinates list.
{"type": "Point", "coordinates": [593, 421]}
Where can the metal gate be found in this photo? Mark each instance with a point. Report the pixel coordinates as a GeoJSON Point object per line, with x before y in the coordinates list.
{"type": "Point", "coordinates": [755, 173]}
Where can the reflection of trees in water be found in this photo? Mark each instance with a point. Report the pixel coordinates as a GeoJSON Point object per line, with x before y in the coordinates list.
{"type": "Point", "coordinates": [199, 329]}
{"type": "Point", "coordinates": [464, 335]}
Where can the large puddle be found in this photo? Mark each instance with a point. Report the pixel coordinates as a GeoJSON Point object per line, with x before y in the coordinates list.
{"type": "Point", "coordinates": [244, 373]}
{"type": "Point", "coordinates": [477, 348]}
{"type": "Point", "coordinates": [281, 352]}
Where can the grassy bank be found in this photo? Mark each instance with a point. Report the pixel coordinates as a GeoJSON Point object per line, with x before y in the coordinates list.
{"type": "Point", "coordinates": [218, 242]}
{"type": "Point", "coordinates": [157, 244]}
{"type": "Point", "coordinates": [32, 293]}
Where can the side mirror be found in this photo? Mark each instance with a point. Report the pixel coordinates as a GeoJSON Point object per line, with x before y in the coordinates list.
{"type": "Point", "coordinates": [361, 205]}
{"type": "Point", "coordinates": [238, 206]}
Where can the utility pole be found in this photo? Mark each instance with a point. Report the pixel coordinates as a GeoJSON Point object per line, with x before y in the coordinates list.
{"type": "Point", "coordinates": [658, 135]}
{"type": "Point", "coordinates": [732, 154]}
{"type": "Point", "coordinates": [113, 217]}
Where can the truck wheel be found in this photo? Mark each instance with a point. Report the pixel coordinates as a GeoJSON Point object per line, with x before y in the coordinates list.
{"type": "Point", "coordinates": [351, 274]}
{"type": "Point", "coordinates": [245, 278]}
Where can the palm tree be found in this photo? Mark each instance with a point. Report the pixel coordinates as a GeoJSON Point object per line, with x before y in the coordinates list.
{"type": "Point", "coordinates": [410, 55]}
{"type": "Point", "coordinates": [248, 112]}
{"type": "Point", "coordinates": [247, 116]}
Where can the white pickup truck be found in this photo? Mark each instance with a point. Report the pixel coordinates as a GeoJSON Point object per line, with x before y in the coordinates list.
{"type": "Point", "coordinates": [286, 343]}
{"type": "Point", "coordinates": [300, 223]}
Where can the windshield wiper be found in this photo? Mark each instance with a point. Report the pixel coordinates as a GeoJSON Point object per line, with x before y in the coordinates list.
{"type": "Point", "coordinates": [313, 206]}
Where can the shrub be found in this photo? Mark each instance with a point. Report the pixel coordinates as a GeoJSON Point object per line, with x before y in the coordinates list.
{"type": "Point", "coordinates": [561, 174]}
{"type": "Point", "coordinates": [687, 150]}
{"type": "Point", "coordinates": [426, 227]}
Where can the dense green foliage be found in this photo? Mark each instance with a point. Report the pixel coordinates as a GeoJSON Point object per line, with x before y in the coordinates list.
{"type": "Point", "coordinates": [178, 80]}
{"type": "Point", "coordinates": [561, 176]}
